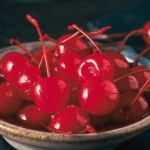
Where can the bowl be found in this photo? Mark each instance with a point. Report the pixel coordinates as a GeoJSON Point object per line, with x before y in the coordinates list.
{"type": "Point", "coordinates": [26, 139]}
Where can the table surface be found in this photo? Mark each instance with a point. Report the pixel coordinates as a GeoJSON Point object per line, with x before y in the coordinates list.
{"type": "Point", "coordinates": [55, 16]}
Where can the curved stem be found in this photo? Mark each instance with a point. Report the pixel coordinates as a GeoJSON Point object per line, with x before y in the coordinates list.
{"type": "Point", "coordinates": [131, 74]}
{"type": "Point", "coordinates": [94, 43]}
{"type": "Point", "coordinates": [35, 23]}
{"type": "Point", "coordinates": [143, 52]}
{"type": "Point", "coordinates": [140, 31]}
{"type": "Point", "coordinates": [140, 92]}
{"type": "Point", "coordinates": [102, 45]}
{"type": "Point", "coordinates": [114, 35]}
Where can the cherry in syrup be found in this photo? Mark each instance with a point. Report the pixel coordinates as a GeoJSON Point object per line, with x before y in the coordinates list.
{"type": "Point", "coordinates": [13, 65]}
{"type": "Point", "coordinates": [31, 117]}
{"type": "Point", "coordinates": [136, 112]}
{"type": "Point", "coordinates": [71, 118]}
{"type": "Point", "coordinates": [95, 65]}
{"type": "Point", "coordinates": [27, 77]}
{"type": "Point", "coordinates": [99, 96]}
{"type": "Point", "coordinates": [10, 101]}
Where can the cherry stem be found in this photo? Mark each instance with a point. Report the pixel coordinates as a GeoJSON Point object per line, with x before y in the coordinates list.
{"type": "Point", "coordinates": [54, 130]}
{"type": "Point", "coordinates": [103, 45]}
{"type": "Point", "coordinates": [79, 29]}
{"type": "Point", "coordinates": [114, 35]}
{"type": "Point", "coordinates": [140, 31]}
{"type": "Point", "coordinates": [140, 92]}
{"type": "Point", "coordinates": [130, 74]}
{"type": "Point", "coordinates": [17, 43]}
{"type": "Point", "coordinates": [90, 129]}
{"type": "Point", "coordinates": [57, 41]}
{"type": "Point", "coordinates": [35, 23]}
{"type": "Point", "coordinates": [142, 53]}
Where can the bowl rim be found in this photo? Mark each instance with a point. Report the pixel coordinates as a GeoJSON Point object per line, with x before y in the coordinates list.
{"type": "Point", "coordinates": [128, 131]}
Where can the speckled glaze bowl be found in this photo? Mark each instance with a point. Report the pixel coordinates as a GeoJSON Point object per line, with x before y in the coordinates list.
{"type": "Point", "coordinates": [26, 139]}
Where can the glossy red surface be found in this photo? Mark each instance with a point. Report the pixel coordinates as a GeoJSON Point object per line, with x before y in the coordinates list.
{"type": "Point", "coordinates": [77, 45]}
{"type": "Point", "coordinates": [119, 62]}
{"type": "Point", "coordinates": [10, 101]}
{"type": "Point", "coordinates": [27, 77]}
{"type": "Point", "coordinates": [95, 65]}
{"type": "Point", "coordinates": [51, 94]}
{"type": "Point", "coordinates": [127, 83]}
{"type": "Point", "coordinates": [31, 117]}
{"type": "Point", "coordinates": [146, 27]}
{"type": "Point", "coordinates": [136, 112]}
{"type": "Point", "coordinates": [71, 118]}
{"type": "Point", "coordinates": [13, 65]}
{"type": "Point", "coordinates": [142, 76]}
{"type": "Point", "coordinates": [67, 65]}
{"type": "Point", "coordinates": [51, 60]}
{"type": "Point", "coordinates": [99, 96]}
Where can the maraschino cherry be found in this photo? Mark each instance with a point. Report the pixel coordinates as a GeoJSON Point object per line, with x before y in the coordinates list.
{"type": "Point", "coordinates": [50, 94]}
{"type": "Point", "coordinates": [13, 65]}
{"type": "Point", "coordinates": [10, 101]}
{"type": "Point", "coordinates": [99, 96]}
{"type": "Point", "coordinates": [31, 117]}
{"type": "Point", "coordinates": [71, 118]}
{"type": "Point", "coordinates": [136, 112]}
{"type": "Point", "coordinates": [27, 77]}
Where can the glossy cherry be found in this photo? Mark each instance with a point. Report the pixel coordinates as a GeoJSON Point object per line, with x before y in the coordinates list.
{"type": "Point", "coordinates": [78, 45]}
{"type": "Point", "coordinates": [51, 94]}
{"type": "Point", "coordinates": [27, 77]}
{"type": "Point", "coordinates": [146, 28]}
{"type": "Point", "coordinates": [31, 117]}
{"type": "Point", "coordinates": [95, 65]}
{"type": "Point", "coordinates": [128, 83]}
{"type": "Point", "coordinates": [67, 65]}
{"type": "Point", "coordinates": [136, 112]}
{"type": "Point", "coordinates": [10, 101]}
{"type": "Point", "coordinates": [142, 76]}
{"type": "Point", "coordinates": [99, 96]}
{"type": "Point", "coordinates": [71, 118]}
{"type": "Point", "coordinates": [13, 65]}
{"type": "Point", "coordinates": [119, 62]}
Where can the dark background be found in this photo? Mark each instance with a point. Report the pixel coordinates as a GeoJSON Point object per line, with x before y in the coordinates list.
{"type": "Point", "coordinates": [54, 16]}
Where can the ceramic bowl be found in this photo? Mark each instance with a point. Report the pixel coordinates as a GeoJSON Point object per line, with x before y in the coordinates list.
{"type": "Point", "coordinates": [26, 139]}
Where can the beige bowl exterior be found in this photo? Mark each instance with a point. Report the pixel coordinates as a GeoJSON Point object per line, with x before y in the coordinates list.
{"type": "Point", "coordinates": [26, 139]}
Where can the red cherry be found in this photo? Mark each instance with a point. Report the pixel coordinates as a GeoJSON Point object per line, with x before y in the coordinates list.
{"type": "Point", "coordinates": [119, 62]}
{"type": "Point", "coordinates": [146, 28]}
{"type": "Point", "coordinates": [51, 94]}
{"type": "Point", "coordinates": [136, 112]}
{"type": "Point", "coordinates": [31, 117]}
{"type": "Point", "coordinates": [10, 101]}
{"type": "Point", "coordinates": [71, 118]}
{"type": "Point", "coordinates": [52, 59]}
{"type": "Point", "coordinates": [67, 65]}
{"type": "Point", "coordinates": [99, 96]}
{"type": "Point", "coordinates": [13, 65]}
{"type": "Point", "coordinates": [25, 81]}
{"type": "Point", "coordinates": [128, 83]}
{"type": "Point", "coordinates": [142, 76]}
{"type": "Point", "coordinates": [95, 65]}
{"type": "Point", "coordinates": [78, 45]}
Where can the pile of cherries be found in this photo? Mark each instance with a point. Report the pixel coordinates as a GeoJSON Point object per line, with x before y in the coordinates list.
{"type": "Point", "coordinates": [76, 88]}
